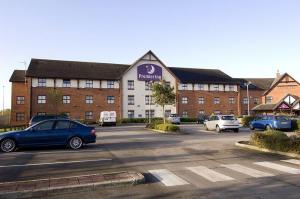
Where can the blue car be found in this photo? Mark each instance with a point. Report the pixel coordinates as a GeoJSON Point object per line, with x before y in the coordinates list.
{"type": "Point", "coordinates": [56, 132]}
{"type": "Point", "coordinates": [271, 122]}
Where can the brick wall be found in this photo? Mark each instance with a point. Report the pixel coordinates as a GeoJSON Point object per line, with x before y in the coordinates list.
{"type": "Point", "coordinates": [193, 107]}
{"type": "Point", "coordinates": [77, 106]}
{"type": "Point", "coordinates": [252, 95]}
{"type": "Point", "coordinates": [20, 89]}
{"type": "Point", "coordinates": [286, 86]}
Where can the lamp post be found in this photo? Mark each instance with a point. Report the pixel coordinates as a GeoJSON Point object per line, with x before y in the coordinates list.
{"type": "Point", "coordinates": [248, 100]}
{"type": "Point", "coordinates": [3, 102]}
{"type": "Point", "coordinates": [149, 100]}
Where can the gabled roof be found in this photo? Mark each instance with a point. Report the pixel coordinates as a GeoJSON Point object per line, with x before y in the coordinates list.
{"type": "Point", "coordinates": [46, 68]}
{"type": "Point", "coordinates": [18, 76]}
{"type": "Point", "coordinates": [256, 83]}
{"type": "Point", "coordinates": [277, 80]}
{"type": "Point", "coordinates": [196, 75]}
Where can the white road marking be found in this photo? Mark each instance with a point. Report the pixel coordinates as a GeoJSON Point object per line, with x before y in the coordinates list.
{"type": "Point", "coordinates": [167, 177]}
{"type": "Point", "coordinates": [53, 163]}
{"type": "Point", "coordinates": [279, 167]}
{"type": "Point", "coordinates": [293, 161]}
{"type": "Point", "coordinates": [246, 170]}
{"type": "Point", "coordinates": [209, 174]}
{"type": "Point", "coordinates": [51, 152]}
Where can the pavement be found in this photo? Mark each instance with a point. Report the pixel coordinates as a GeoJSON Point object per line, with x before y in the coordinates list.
{"type": "Point", "coordinates": [195, 164]}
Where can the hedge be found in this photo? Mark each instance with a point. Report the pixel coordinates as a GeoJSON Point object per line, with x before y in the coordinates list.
{"type": "Point", "coordinates": [139, 120]}
{"type": "Point", "coordinates": [188, 119]}
{"type": "Point", "coordinates": [167, 127]}
{"type": "Point", "coordinates": [276, 140]}
{"type": "Point", "coordinates": [246, 120]}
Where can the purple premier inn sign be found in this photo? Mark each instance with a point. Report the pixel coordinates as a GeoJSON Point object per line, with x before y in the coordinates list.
{"type": "Point", "coordinates": [149, 72]}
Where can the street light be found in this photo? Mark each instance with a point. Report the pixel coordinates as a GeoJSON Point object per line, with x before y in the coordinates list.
{"type": "Point", "coordinates": [3, 102]}
{"type": "Point", "coordinates": [248, 100]}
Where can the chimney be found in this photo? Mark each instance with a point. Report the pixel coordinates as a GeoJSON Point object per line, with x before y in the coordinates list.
{"type": "Point", "coordinates": [277, 74]}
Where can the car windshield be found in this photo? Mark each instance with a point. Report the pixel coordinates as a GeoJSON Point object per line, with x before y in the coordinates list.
{"type": "Point", "coordinates": [228, 117]}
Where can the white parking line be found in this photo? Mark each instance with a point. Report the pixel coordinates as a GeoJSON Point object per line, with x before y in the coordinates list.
{"type": "Point", "coordinates": [167, 177]}
{"type": "Point", "coordinates": [53, 163]}
{"type": "Point", "coordinates": [246, 170]}
{"type": "Point", "coordinates": [209, 174]}
{"type": "Point", "coordinates": [293, 161]}
{"type": "Point", "coordinates": [50, 152]}
{"type": "Point", "coordinates": [279, 167]}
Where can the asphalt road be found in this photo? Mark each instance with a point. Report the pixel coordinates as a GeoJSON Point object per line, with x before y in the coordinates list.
{"type": "Point", "coordinates": [197, 164]}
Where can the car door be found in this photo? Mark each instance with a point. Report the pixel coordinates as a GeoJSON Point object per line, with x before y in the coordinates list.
{"type": "Point", "coordinates": [60, 133]}
{"type": "Point", "coordinates": [38, 135]}
{"type": "Point", "coordinates": [208, 122]}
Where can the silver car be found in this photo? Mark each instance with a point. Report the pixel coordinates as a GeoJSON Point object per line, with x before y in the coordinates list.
{"type": "Point", "coordinates": [174, 119]}
{"type": "Point", "coordinates": [222, 122]}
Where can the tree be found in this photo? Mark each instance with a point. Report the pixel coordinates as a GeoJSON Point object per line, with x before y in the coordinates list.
{"type": "Point", "coordinates": [163, 94]}
{"type": "Point", "coordinates": [55, 99]}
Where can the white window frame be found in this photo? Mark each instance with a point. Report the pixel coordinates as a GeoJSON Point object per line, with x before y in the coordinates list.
{"type": "Point", "coordinates": [89, 99]}
{"type": "Point", "coordinates": [66, 99]}
{"type": "Point", "coordinates": [184, 100]}
{"type": "Point", "coordinates": [88, 83]}
{"type": "Point", "coordinates": [42, 82]}
{"type": "Point", "coordinates": [217, 100]}
{"type": "Point", "coordinates": [110, 99]}
{"type": "Point", "coordinates": [41, 99]}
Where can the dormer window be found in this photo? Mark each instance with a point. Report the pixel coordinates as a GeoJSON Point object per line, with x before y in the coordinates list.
{"type": "Point", "coordinates": [89, 84]}
{"type": "Point", "coordinates": [66, 83]}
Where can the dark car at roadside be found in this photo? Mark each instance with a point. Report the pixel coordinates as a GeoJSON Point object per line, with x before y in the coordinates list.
{"type": "Point", "coordinates": [39, 118]}
{"type": "Point", "coordinates": [268, 122]}
{"type": "Point", "coordinates": [54, 132]}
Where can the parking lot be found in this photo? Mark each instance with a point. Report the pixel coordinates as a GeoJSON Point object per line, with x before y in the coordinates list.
{"type": "Point", "coordinates": [194, 164]}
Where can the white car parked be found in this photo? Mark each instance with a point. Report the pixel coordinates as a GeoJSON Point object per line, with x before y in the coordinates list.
{"type": "Point", "coordinates": [222, 122]}
{"type": "Point", "coordinates": [174, 119]}
{"type": "Point", "coordinates": [108, 118]}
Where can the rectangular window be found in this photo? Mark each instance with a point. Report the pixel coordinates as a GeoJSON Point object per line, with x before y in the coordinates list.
{"type": "Point", "coordinates": [201, 100]}
{"type": "Point", "coordinates": [147, 98]}
{"type": "Point", "coordinates": [184, 86]}
{"type": "Point", "coordinates": [110, 99]}
{"type": "Point", "coordinates": [130, 99]}
{"type": "Point", "coordinates": [255, 100]}
{"type": "Point", "coordinates": [201, 112]}
{"type": "Point", "coordinates": [89, 84]}
{"type": "Point", "coordinates": [130, 113]}
{"type": "Point", "coordinates": [20, 99]}
{"type": "Point", "coordinates": [41, 113]}
{"type": "Point", "coordinates": [41, 82]}
{"type": "Point", "coordinates": [151, 113]}
{"type": "Point", "coordinates": [130, 84]}
{"type": "Point", "coordinates": [20, 116]}
{"type": "Point", "coordinates": [89, 115]}
{"type": "Point", "coordinates": [184, 100]}
{"type": "Point", "coordinates": [41, 99]}
{"type": "Point", "coordinates": [216, 100]}
{"type": "Point", "coordinates": [110, 84]}
{"type": "Point", "coordinates": [184, 114]}
{"type": "Point", "coordinates": [269, 99]}
{"type": "Point", "coordinates": [66, 83]}
{"type": "Point", "coordinates": [216, 87]}
{"type": "Point", "coordinates": [245, 100]}
{"type": "Point", "coordinates": [66, 99]}
{"type": "Point", "coordinates": [231, 87]}
{"type": "Point", "coordinates": [231, 100]}
{"type": "Point", "coordinates": [89, 99]}
{"type": "Point", "coordinates": [167, 113]}
{"type": "Point", "coordinates": [217, 112]}
{"type": "Point", "coordinates": [201, 87]}
{"type": "Point", "coordinates": [147, 85]}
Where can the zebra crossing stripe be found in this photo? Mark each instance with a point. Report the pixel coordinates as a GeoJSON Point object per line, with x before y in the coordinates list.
{"type": "Point", "coordinates": [293, 161]}
{"type": "Point", "coordinates": [209, 174]}
{"type": "Point", "coordinates": [167, 177]}
{"type": "Point", "coordinates": [246, 170]}
{"type": "Point", "coordinates": [279, 167]}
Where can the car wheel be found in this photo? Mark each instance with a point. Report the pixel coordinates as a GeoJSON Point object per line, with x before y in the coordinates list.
{"type": "Point", "coordinates": [75, 143]}
{"type": "Point", "coordinates": [236, 130]}
{"type": "Point", "coordinates": [205, 127]}
{"type": "Point", "coordinates": [268, 127]}
{"type": "Point", "coordinates": [8, 145]}
{"type": "Point", "coordinates": [218, 129]}
{"type": "Point", "coordinates": [251, 127]}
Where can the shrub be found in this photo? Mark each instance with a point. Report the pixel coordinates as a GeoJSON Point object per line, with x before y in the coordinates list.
{"type": "Point", "coordinates": [167, 127]}
{"type": "Point", "coordinates": [188, 119]}
{"type": "Point", "coordinates": [246, 120]}
{"type": "Point", "coordinates": [155, 122]}
{"type": "Point", "coordinates": [139, 120]}
{"type": "Point", "coordinates": [276, 140]}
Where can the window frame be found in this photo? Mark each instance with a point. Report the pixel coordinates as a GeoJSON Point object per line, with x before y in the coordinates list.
{"type": "Point", "coordinates": [41, 101]}
{"type": "Point", "coordinates": [89, 99]}
{"type": "Point", "coordinates": [66, 85]}
{"type": "Point", "coordinates": [66, 101]}
{"type": "Point", "coordinates": [42, 82]}
{"type": "Point", "coordinates": [130, 99]}
{"type": "Point", "coordinates": [110, 84]}
{"type": "Point", "coordinates": [20, 115]}
{"type": "Point", "coordinates": [88, 115]}
{"type": "Point", "coordinates": [110, 99]}
{"type": "Point", "coordinates": [216, 100]}
{"type": "Point", "coordinates": [20, 101]}
{"type": "Point", "coordinates": [89, 83]}
{"type": "Point", "coordinates": [130, 84]}
{"type": "Point", "coordinates": [184, 100]}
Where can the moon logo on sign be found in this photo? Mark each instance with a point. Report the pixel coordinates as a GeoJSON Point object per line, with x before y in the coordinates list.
{"type": "Point", "coordinates": [150, 69]}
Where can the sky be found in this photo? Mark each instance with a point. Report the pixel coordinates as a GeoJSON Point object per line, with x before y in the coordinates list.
{"type": "Point", "coordinates": [243, 38]}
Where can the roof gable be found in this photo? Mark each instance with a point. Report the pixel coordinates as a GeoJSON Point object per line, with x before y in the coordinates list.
{"type": "Point", "coordinates": [18, 76]}
{"type": "Point", "coordinates": [281, 80]}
